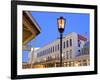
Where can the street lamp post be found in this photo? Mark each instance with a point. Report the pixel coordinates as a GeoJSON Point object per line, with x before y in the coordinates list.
{"type": "Point", "coordinates": [61, 26]}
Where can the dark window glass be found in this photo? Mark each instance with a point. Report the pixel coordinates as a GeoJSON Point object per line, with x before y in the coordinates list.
{"type": "Point", "coordinates": [70, 42]}
{"type": "Point", "coordinates": [63, 44]}
{"type": "Point", "coordinates": [58, 46]}
{"type": "Point", "coordinates": [67, 43]}
{"type": "Point", "coordinates": [79, 53]}
{"type": "Point", "coordinates": [46, 51]}
{"type": "Point", "coordinates": [78, 50]}
{"type": "Point", "coordinates": [79, 43]}
{"type": "Point", "coordinates": [42, 53]}
{"type": "Point", "coordinates": [53, 48]}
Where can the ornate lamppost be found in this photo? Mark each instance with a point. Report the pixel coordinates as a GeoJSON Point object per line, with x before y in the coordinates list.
{"type": "Point", "coordinates": [61, 26]}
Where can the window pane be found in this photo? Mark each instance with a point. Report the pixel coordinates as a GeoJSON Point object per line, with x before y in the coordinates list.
{"type": "Point", "coordinates": [58, 46]}
{"type": "Point", "coordinates": [67, 43]}
{"type": "Point", "coordinates": [63, 44]}
{"type": "Point", "coordinates": [53, 48]}
{"type": "Point", "coordinates": [70, 42]}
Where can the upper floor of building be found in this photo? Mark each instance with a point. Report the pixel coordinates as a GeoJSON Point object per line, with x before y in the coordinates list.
{"type": "Point", "coordinates": [72, 42]}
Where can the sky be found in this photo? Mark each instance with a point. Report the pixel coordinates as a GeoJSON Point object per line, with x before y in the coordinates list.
{"type": "Point", "coordinates": [75, 22]}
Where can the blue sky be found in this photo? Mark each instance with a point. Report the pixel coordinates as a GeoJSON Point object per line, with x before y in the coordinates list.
{"type": "Point", "coordinates": [75, 22]}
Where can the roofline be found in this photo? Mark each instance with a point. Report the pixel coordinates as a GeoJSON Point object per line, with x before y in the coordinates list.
{"type": "Point", "coordinates": [33, 20]}
{"type": "Point", "coordinates": [57, 39]}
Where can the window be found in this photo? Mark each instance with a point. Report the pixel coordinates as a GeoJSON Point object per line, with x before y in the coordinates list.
{"type": "Point", "coordinates": [46, 51]}
{"type": "Point", "coordinates": [42, 53]}
{"type": "Point", "coordinates": [58, 47]}
{"type": "Point", "coordinates": [79, 43]}
{"type": "Point", "coordinates": [49, 50]}
{"type": "Point", "coordinates": [70, 54]}
{"type": "Point", "coordinates": [70, 42]}
{"type": "Point", "coordinates": [67, 43]}
{"type": "Point", "coordinates": [63, 44]}
{"type": "Point", "coordinates": [67, 54]}
{"type": "Point", "coordinates": [79, 51]}
{"type": "Point", "coordinates": [53, 48]}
